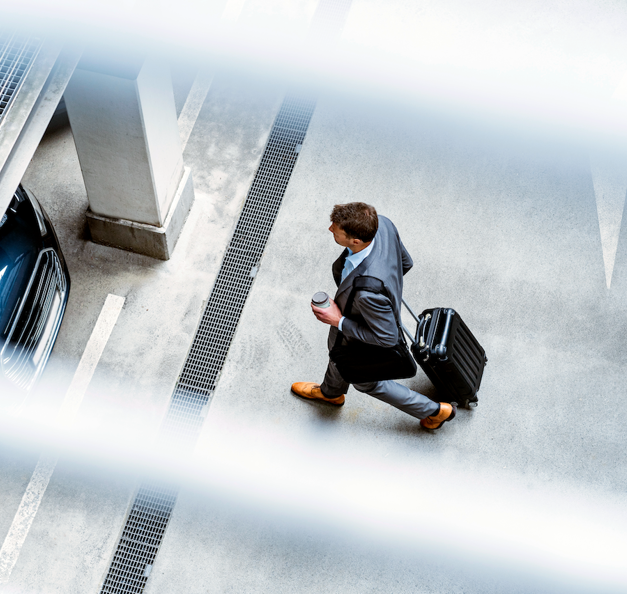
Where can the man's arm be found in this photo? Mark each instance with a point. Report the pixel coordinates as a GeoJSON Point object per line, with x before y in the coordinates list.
{"type": "Point", "coordinates": [407, 261]}
{"type": "Point", "coordinates": [380, 327]}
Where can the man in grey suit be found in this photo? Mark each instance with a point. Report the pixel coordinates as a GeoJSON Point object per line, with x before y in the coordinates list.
{"type": "Point", "coordinates": [373, 248]}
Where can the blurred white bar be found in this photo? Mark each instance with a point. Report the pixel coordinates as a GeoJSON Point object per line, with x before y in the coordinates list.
{"type": "Point", "coordinates": [497, 65]}
{"type": "Point", "coordinates": [620, 94]}
{"type": "Point", "coordinates": [232, 10]}
{"type": "Point", "coordinates": [481, 517]}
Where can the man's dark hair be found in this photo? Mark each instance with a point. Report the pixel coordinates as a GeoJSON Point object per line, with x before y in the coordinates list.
{"type": "Point", "coordinates": [357, 219]}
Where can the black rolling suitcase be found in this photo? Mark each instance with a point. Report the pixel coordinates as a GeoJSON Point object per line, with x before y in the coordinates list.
{"type": "Point", "coordinates": [449, 354]}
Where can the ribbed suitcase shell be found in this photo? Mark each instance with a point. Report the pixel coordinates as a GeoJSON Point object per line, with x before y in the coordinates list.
{"type": "Point", "coordinates": [454, 363]}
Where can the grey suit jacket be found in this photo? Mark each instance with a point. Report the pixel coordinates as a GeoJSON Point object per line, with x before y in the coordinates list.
{"type": "Point", "coordinates": [372, 316]}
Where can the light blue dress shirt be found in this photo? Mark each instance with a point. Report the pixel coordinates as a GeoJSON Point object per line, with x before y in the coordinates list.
{"type": "Point", "coordinates": [352, 261]}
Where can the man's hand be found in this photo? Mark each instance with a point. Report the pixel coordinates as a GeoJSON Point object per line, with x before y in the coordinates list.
{"type": "Point", "coordinates": [328, 315]}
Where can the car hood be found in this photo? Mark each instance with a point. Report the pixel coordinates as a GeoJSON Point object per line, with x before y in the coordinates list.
{"type": "Point", "coordinates": [20, 243]}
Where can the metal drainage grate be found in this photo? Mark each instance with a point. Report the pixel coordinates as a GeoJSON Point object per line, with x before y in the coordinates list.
{"type": "Point", "coordinates": [153, 504]}
{"type": "Point", "coordinates": [239, 266]}
{"type": "Point", "coordinates": [150, 512]}
{"type": "Point", "coordinates": [17, 53]}
{"type": "Point", "coordinates": [140, 539]}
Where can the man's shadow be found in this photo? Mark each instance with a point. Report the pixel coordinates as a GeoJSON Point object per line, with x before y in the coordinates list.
{"type": "Point", "coordinates": [325, 412]}
{"type": "Point", "coordinates": [421, 383]}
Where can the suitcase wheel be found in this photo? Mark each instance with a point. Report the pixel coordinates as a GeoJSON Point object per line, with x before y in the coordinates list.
{"type": "Point", "coordinates": [470, 405]}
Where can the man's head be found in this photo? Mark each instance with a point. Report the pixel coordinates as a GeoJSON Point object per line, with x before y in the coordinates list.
{"type": "Point", "coordinates": [354, 225]}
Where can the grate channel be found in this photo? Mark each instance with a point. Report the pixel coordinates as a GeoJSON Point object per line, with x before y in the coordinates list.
{"type": "Point", "coordinates": [17, 53]}
{"type": "Point", "coordinates": [140, 539]}
{"type": "Point", "coordinates": [153, 504]}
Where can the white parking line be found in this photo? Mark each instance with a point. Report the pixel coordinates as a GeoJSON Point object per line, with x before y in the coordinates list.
{"type": "Point", "coordinates": [193, 104]}
{"type": "Point", "coordinates": [609, 179]}
{"type": "Point", "coordinates": [67, 413]}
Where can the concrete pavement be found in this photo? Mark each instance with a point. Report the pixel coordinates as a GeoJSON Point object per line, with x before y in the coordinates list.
{"type": "Point", "coordinates": [502, 225]}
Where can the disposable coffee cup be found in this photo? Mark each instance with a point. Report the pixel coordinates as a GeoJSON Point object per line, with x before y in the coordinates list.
{"type": "Point", "coordinates": [320, 299]}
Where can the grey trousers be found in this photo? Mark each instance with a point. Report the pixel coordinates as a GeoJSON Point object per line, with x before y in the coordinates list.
{"type": "Point", "coordinates": [410, 402]}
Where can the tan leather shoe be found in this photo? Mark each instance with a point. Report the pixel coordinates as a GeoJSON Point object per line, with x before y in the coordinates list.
{"type": "Point", "coordinates": [312, 392]}
{"type": "Point", "coordinates": [447, 413]}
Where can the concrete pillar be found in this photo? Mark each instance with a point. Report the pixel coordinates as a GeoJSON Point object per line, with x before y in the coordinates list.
{"type": "Point", "coordinates": [124, 123]}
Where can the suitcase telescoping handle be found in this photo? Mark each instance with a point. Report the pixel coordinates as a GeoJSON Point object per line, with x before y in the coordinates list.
{"type": "Point", "coordinates": [409, 334]}
{"type": "Point", "coordinates": [411, 311]}
{"type": "Point", "coordinates": [422, 325]}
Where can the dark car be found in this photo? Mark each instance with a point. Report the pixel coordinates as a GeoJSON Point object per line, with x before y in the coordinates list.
{"type": "Point", "coordinates": [34, 289]}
